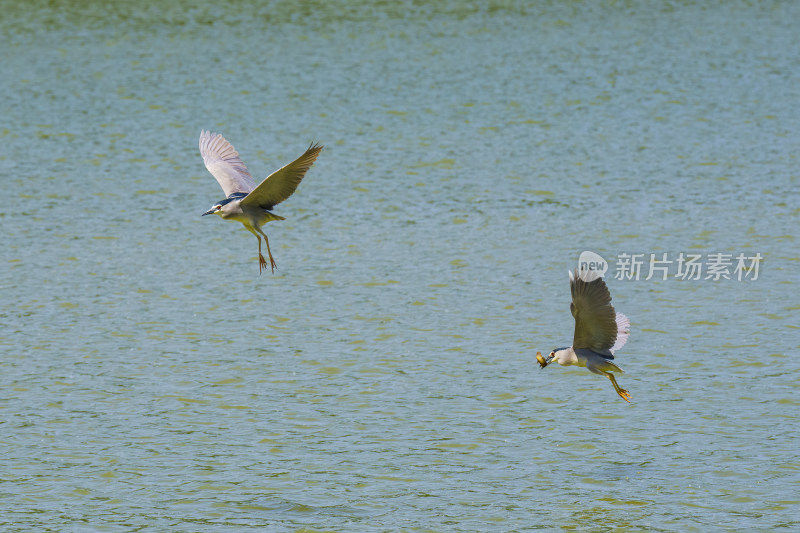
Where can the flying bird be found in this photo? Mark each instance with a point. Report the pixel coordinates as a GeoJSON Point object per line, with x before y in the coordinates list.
{"type": "Point", "coordinates": [246, 203]}
{"type": "Point", "coordinates": [599, 330]}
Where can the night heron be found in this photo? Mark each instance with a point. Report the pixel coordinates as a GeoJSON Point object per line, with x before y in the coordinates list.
{"type": "Point", "coordinates": [245, 202]}
{"type": "Point", "coordinates": [599, 330]}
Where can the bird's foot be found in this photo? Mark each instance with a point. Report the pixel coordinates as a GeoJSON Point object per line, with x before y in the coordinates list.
{"type": "Point", "coordinates": [273, 264]}
{"type": "Point", "coordinates": [625, 395]}
{"type": "Point", "coordinates": [262, 263]}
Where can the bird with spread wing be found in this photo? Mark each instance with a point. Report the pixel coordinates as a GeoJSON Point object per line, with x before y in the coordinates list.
{"type": "Point", "coordinates": [599, 330]}
{"type": "Point", "coordinates": [247, 203]}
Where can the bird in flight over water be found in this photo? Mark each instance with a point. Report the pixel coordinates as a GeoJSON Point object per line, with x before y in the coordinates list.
{"type": "Point", "coordinates": [599, 330]}
{"type": "Point", "coordinates": [246, 203]}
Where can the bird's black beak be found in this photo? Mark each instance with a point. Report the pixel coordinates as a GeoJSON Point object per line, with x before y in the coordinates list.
{"type": "Point", "coordinates": [209, 212]}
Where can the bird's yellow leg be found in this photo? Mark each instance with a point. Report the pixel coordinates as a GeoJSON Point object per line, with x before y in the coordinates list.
{"type": "Point", "coordinates": [269, 252]}
{"type": "Point", "coordinates": [262, 263]}
{"type": "Point", "coordinates": [625, 395]}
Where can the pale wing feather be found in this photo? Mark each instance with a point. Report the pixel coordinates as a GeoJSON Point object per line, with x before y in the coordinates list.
{"type": "Point", "coordinates": [283, 182]}
{"type": "Point", "coordinates": [224, 163]}
{"type": "Point", "coordinates": [595, 318]}
{"type": "Point", "coordinates": [623, 332]}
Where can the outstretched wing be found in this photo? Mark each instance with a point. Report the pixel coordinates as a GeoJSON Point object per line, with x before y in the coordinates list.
{"type": "Point", "coordinates": [623, 332]}
{"type": "Point", "coordinates": [224, 163]}
{"type": "Point", "coordinates": [282, 183]}
{"type": "Point", "coordinates": [595, 318]}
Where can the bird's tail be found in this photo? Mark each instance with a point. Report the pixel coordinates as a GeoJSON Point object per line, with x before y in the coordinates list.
{"type": "Point", "coordinates": [623, 332]}
{"type": "Point", "coordinates": [272, 216]}
{"type": "Point", "coordinates": [602, 366]}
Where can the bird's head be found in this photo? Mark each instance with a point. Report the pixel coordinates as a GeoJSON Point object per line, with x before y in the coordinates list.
{"type": "Point", "coordinates": [559, 355]}
{"type": "Point", "coordinates": [216, 210]}
{"type": "Point", "coordinates": [227, 207]}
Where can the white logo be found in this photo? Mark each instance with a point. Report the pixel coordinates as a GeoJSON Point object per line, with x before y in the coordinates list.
{"type": "Point", "coordinates": [591, 266]}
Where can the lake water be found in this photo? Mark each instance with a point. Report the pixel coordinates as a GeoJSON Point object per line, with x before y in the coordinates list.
{"type": "Point", "coordinates": [384, 378]}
